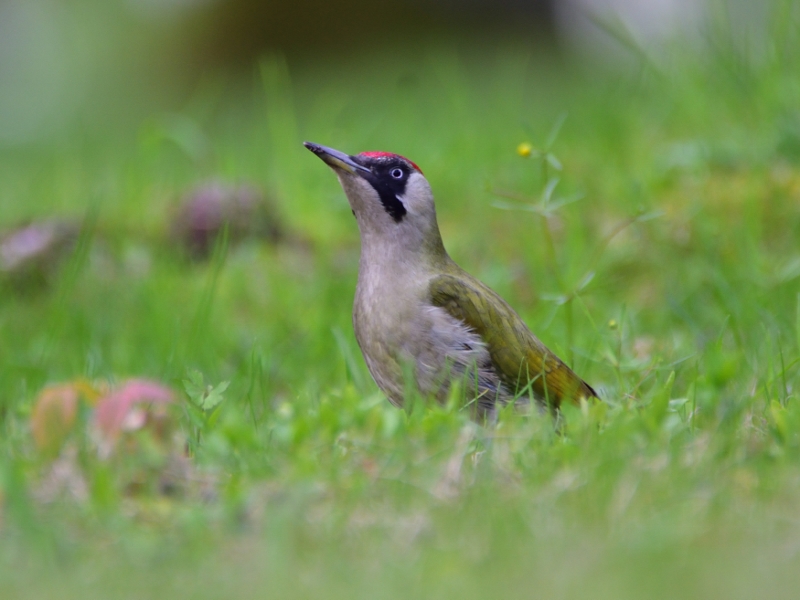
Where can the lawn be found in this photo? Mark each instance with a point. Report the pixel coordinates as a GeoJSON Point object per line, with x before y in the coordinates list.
{"type": "Point", "coordinates": [651, 238]}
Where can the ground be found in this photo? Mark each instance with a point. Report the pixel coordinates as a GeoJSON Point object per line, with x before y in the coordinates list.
{"type": "Point", "coordinates": [648, 234]}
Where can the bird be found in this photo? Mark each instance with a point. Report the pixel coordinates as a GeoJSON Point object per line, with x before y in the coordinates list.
{"type": "Point", "coordinates": [419, 318]}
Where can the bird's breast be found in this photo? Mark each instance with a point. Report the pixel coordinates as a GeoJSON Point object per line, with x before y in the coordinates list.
{"type": "Point", "coordinates": [385, 324]}
{"type": "Point", "coordinates": [400, 332]}
{"type": "Point", "coordinates": [384, 313]}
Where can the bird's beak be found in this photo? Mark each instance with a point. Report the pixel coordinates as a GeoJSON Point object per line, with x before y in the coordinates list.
{"type": "Point", "coordinates": [336, 159]}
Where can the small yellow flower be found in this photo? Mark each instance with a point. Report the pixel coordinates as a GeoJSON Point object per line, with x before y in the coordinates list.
{"type": "Point", "coordinates": [612, 324]}
{"type": "Point", "coordinates": [524, 149]}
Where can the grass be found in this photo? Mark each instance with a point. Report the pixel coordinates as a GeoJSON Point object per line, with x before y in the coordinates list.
{"type": "Point", "coordinates": [672, 283]}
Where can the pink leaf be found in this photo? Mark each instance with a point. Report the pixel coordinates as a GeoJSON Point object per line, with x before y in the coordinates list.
{"type": "Point", "coordinates": [119, 410]}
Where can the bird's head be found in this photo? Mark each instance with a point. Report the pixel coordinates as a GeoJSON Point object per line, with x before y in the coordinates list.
{"type": "Point", "coordinates": [389, 196]}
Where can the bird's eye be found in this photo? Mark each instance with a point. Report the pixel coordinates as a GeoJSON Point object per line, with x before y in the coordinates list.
{"type": "Point", "coordinates": [397, 173]}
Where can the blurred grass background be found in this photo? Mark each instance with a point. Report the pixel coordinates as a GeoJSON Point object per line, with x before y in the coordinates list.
{"type": "Point", "coordinates": [672, 283]}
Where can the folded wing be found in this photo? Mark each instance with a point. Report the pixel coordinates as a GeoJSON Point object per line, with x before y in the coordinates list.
{"type": "Point", "coordinates": [517, 354]}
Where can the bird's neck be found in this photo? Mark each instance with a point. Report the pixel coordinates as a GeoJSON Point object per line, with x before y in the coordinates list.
{"type": "Point", "coordinates": [394, 254]}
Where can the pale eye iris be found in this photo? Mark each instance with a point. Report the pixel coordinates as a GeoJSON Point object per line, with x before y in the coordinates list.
{"type": "Point", "coordinates": [397, 173]}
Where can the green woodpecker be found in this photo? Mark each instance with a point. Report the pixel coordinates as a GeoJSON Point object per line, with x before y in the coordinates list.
{"type": "Point", "coordinates": [418, 315]}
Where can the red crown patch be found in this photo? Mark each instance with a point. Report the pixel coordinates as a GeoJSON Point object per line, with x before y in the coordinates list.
{"type": "Point", "coordinates": [390, 155]}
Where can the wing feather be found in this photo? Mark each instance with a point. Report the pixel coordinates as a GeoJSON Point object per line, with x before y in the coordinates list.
{"type": "Point", "coordinates": [517, 354]}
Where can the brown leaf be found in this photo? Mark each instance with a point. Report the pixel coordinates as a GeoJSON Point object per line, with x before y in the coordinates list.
{"type": "Point", "coordinates": [53, 416]}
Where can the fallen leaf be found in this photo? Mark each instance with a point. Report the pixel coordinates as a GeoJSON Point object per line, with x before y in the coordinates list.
{"type": "Point", "coordinates": [53, 417]}
{"type": "Point", "coordinates": [129, 407]}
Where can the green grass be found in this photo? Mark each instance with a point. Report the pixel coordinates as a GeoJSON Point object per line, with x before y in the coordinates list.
{"type": "Point", "coordinates": [673, 283]}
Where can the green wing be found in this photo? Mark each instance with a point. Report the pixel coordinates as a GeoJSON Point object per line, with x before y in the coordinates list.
{"type": "Point", "coordinates": [518, 355]}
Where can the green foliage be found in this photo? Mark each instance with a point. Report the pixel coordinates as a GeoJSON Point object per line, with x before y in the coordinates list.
{"type": "Point", "coordinates": [205, 397]}
{"type": "Point", "coordinates": [671, 286]}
